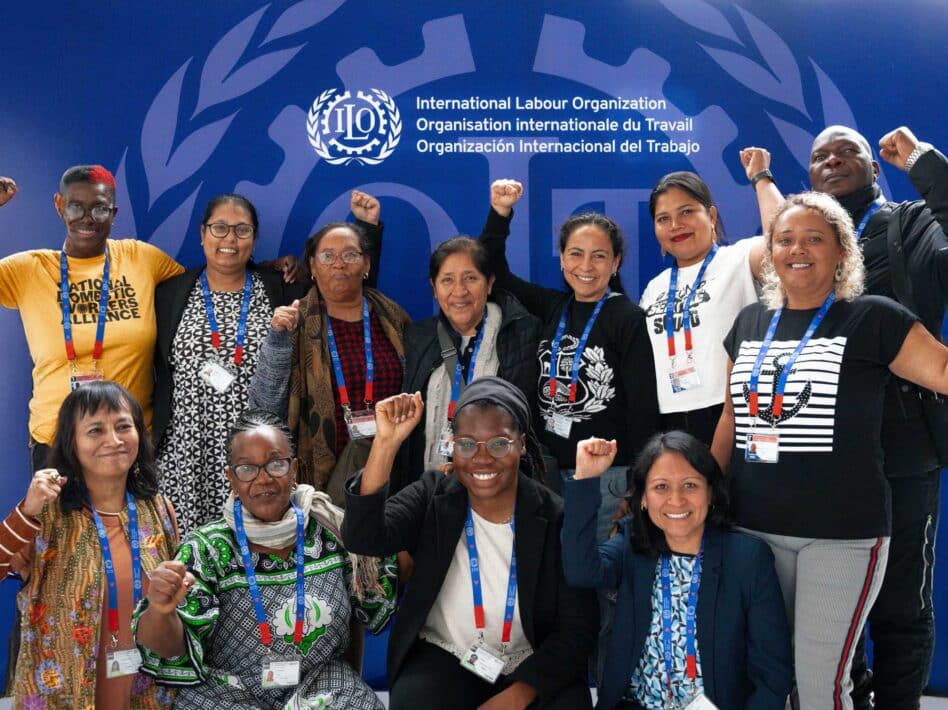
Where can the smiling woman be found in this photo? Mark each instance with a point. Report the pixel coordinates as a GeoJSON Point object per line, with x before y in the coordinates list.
{"type": "Point", "coordinates": [93, 522]}
{"type": "Point", "coordinates": [490, 529]}
{"type": "Point", "coordinates": [807, 374]}
{"type": "Point", "coordinates": [479, 330]}
{"type": "Point", "coordinates": [257, 608]}
{"type": "Point", "coordinates": [686, 583]}
{"type": "Point", "coordinates": [596, 369]}
{"type": "Point", "coordinates": [212, 320]}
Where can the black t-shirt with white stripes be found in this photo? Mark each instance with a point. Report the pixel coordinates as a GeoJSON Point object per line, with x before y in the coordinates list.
{"type": "Point", "coordinates": [828, 482]}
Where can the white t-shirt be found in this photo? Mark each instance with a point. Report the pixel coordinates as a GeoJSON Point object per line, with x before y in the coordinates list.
{"type": "Point", "coordinates": [727, 287]}
{"type": "Point", "coordinates": [450, 623]}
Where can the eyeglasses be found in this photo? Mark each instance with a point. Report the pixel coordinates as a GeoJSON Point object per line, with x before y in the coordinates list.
{"type": "Point", "coordinates": [328, 258]}
{"type": "Point", "coordinates": [219, 230]}
{"type": "Point", "coordinates": [277, 468]}
{"type": "Point", "coordinates": [498, 446]}
{"type": "Point", "coordinates": [100, 213]}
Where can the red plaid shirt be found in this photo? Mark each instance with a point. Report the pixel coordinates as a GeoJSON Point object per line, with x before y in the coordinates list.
{"type": "Point", "coordinates": [388, 369]}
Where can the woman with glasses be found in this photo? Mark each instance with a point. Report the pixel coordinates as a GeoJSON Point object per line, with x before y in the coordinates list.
{"type": "Point", "coordinates": [255, 610]}
{"type": "Point", "coordinates": [487, 621]}
{"type": "Point", "coordinates": [93, 333]}
{"type": "Point", "coordinates": [211, 321]}
{"type": "Point", "coordinates": [348, 354]}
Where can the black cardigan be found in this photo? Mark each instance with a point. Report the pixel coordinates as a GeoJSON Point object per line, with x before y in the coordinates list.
{"type": "Point", "coordinates": [427, 519]}
{"type": "Point", "coordinates": [516, 350]}
{"type": "Point", "coordinates": [171, 297]}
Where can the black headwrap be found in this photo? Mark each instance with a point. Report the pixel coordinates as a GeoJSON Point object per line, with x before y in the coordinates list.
{"type": "Point", "coordinates": [508, 396]}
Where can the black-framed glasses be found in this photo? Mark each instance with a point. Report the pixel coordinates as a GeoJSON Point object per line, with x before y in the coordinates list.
{"type": "Point", "coordinates": [277, 468]}
{"type": "Point", "coordinates": [328, 258]}
{"type": "Point", "coordinates": [219, 230]}
{"type": "Point", "coordinates": [100, 213]}
{"type": "Point", "coordinates": [498, 446]}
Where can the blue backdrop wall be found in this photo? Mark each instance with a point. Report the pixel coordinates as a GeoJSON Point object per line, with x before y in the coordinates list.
{"type": "Point", "coordinates": [295, 104]}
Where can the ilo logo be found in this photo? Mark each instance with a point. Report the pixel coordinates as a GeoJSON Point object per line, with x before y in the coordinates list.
{"type": "Point", "coordinates": [363, 127]}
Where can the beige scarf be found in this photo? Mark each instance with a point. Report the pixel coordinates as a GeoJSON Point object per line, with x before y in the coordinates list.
{"type": "Point", "coordinates": [282, 533]}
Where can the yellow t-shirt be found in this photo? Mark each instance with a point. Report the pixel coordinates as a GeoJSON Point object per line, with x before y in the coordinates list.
{"type": "Point", "coordinates": [29, 282]}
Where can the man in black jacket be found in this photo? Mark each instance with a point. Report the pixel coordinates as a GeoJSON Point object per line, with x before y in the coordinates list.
{"type": "Point", "coordinates": [905, 247]}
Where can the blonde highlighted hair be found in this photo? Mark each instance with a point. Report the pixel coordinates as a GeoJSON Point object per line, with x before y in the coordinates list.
{"type": "Point", "coordinates": [849, 280]}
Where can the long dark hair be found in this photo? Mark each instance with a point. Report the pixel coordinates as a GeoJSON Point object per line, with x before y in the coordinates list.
{"type": "Point", "coordinates": [692, 184]}
{"type": "Point", "coordinates": [647, 538]}
{"type": "Point", "coordinates": [616, 238]}
{"type": "Point", "coordinates": [142, 481]}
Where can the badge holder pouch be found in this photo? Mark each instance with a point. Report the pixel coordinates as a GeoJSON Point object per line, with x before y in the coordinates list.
{"type": "Point", "coordinates": [279, 671]}
{"type": "Point", "coordinates": [218, 375]}
{"type": "Point", "coordinates": [361, 424]}
{"type": "Point", "coordinates": [78, 379]}
{"type": "Point", "coordinates": [762, 447]}
{"type": "Point", "coordinates": [684, 377]}
{"type": "Point", "coordinates": [121, 662]}
{"type": "Point", "coordinates": [483, 662]}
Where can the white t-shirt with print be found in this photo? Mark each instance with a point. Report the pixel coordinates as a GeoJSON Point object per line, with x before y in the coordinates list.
{"type": "Point", "coordinates": [727, 286]}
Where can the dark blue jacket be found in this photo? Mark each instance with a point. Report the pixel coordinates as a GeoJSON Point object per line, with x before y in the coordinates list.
{"type": "Point", "coordinates": [742, 632]}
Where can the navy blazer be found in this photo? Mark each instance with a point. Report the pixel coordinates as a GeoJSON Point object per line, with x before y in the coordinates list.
{"type": "Point", "coordinates": [742, 631]}
{"type": "Point", "coordinates": [427, 518]}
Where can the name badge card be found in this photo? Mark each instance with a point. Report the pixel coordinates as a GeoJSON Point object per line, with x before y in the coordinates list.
{"type": "Point", "coordinates": [482, 662]}
{"type": "Point", "coordinates": [684, 377]}
{"type": "Point", "coordinates": [280, 672]}
{"type": "Point", "coordinates": [559, 424]}
{"type": "Point", "coordinates": [446, 441]}
{"type": "Point", "coordinates": [78, 379]}
{"type": "Point", "coordinates": [361, 424]}
{"type": "Point", "coordinates": [217, 376]}
{"type": "Point", "coordinates": [124, 662]}
{"type": "Point", "coordinates": [762, 447]}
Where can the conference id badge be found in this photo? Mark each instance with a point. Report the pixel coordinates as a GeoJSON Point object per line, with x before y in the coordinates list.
{"type": "Point", "coordinates": [683, 377]}
{"type": "Point", "coordinates": [78, 379]}
{"type": "Point", "coordinates": [217, 376]}
{"type": "Point", "coordinates": [124, 662]}
{"type": "Point", "coordinates": [446, 441]}
{"type": "Point", "coordinates": [762, 447]}
{"type": "Point", "coordinates": [482, 662]}
{"type": "Point", "coordinates": [279, 672]}
{"type": "Point", "coordinates": [701, 702]}
{"type": "Point", "coordinates": [559, 424]}
{"type": "Point", "coordinates": [361, 424]}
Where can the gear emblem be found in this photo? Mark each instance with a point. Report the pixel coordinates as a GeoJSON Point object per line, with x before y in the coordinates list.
{"type": "Point", "coordinates": [362, 127]}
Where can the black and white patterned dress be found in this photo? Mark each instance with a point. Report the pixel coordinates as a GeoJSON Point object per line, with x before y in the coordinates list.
{"type": "Point", "coordinates": [191, 457]}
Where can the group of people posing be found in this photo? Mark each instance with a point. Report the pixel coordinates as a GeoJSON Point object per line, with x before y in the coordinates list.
{"type": "Point", "coordinates": [240, 467]}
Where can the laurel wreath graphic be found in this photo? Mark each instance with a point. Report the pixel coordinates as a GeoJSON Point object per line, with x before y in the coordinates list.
{"type": "Point", "coordinates": [226, 75]}
{"type": "Point", "coordinates": [325, 101]}
{"type": "Point", "coordinates": [777, 76]}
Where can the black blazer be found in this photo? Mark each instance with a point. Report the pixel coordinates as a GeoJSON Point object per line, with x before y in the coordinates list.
{"type": "Point", "coordinates": [742, 630]}
{"type": "Point", "coordinates": [427, 519]}
{"type": "Point", "coordinates": [171, 297]}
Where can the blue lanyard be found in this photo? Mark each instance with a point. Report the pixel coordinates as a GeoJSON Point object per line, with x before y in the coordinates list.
{"type": "Point", "coordinates": [111, 582]}
{"type": "Point", "coordinates": [456, 384]}
{"type": "Point", "coordinates": [67, 308]}
{"type": "Point", "coordinates": [876, 205]}
{"type": "Point", "coordinates": [262, 624]}
{"type": "Point", "coordinates": [578, 355]}
{"type": "Point", "coordinates": [476, 581]}
{"type": "Point", "coordinates": [686, 313]}
{"type": "Point", "coordinates": [781, 386]}
{"type": "Point", "coordinates": [369, 363]}
{"type": "Point", "coordinates": [241, 323]}
{"type": "Point", "coordinates": [691, 655]}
